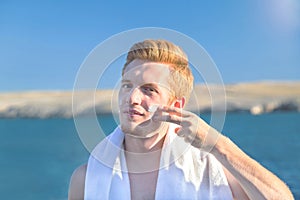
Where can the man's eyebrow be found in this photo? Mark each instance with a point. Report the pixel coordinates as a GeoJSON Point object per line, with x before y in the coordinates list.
{"type": "Point", "coordinates": [125, 80]}
{"type": "Point", "coordinates": [157, 86]}
{"type": "Point", "coordinates": [150, 84]}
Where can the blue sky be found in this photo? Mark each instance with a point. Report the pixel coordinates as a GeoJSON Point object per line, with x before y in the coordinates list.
{"type": "Point", "coordinates": [43, 43]}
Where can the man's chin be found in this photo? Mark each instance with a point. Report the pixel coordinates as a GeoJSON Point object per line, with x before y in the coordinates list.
{"type": "Point", "coordinates": [143, 130]}
{"type": "Point", "coordinates": [136, 131]}
{"type": "Point", "coordinates": [129, 126]}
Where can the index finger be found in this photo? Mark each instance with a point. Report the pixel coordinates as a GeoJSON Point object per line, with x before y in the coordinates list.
{"type": "Point", "coordinates": [166, 117]}
{"type": "Point", "coordinates": [171, 110]}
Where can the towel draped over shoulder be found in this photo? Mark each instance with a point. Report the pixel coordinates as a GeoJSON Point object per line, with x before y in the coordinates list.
{"type": "Point", "coordinates": [185, 172]}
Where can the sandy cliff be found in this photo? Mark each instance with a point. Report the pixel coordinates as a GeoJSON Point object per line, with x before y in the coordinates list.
{"type": "Point", "coordinates": [257, 98]}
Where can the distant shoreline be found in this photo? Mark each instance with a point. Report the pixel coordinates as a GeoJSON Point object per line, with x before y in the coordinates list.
{"type": "Point", "coordinates": [253, 97]}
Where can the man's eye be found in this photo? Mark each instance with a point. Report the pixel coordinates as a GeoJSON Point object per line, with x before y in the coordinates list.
{"type": "Point", "coordinates": [126, 85]}
{"type": "Point", "coordinates": [149, 89]}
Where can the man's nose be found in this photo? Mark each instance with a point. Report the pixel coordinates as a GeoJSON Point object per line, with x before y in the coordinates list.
{"type": "Point", "coordinates": [135, 96]}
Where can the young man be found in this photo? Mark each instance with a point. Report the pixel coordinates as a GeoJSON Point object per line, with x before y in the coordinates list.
{"type": "Point", "coordinates": [160, 151]}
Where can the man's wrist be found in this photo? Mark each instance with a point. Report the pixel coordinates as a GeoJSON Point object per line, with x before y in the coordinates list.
{"type": "Point", "coordinates": [211, 140]}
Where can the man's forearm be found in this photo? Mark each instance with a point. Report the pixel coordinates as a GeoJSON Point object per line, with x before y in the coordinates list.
{"type": "Point", "coordinates": [257, 182]}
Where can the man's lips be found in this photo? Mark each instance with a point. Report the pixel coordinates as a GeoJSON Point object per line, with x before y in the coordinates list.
{"type": "Point", "coordinates": [135, 112]}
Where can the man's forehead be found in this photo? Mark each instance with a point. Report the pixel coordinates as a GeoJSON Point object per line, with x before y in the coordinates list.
{"type": "Point", "coordinates": [147, 73]}
{"type": "Point", "coordinates": [155, 74]}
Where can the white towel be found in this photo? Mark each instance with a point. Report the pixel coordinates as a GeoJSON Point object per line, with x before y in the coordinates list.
{"type": "Point", "coordinates": [185, 172]}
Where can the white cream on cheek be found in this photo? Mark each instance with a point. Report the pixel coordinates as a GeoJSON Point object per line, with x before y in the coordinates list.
{"type": "Point", "coordinates": [153, 108]}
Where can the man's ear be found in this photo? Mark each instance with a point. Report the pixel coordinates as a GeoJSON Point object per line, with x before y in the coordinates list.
{"type": "Point", "coordinates": [179, 103]}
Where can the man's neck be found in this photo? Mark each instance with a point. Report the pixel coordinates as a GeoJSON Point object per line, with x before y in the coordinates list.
{"type": "Point", "coordinates": [143, 154]}
{"type": "Point", "coordinates": [143, 145]}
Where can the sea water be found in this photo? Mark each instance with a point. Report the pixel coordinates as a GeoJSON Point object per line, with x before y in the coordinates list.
{"type": "Point", "coordinates": [38, 156]}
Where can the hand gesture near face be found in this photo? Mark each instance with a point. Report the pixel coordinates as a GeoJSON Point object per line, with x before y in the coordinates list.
{"type": "Point", "coordinates": [192, 128]}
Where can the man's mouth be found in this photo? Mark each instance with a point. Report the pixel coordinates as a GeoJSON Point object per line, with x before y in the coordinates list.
{"type": "Point", "coordinates": [135, 112]}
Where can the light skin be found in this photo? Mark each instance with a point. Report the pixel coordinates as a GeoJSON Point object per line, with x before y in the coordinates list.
{"type": "Point", "coordinates": [145, 84]}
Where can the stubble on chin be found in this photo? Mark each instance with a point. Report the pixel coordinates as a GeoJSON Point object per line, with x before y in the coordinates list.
{"type": "Point", "coordinates": [135, 130]}
{"type": "Point", "coordinates": [141, 131]}
{"type": "Point", "coordinates": [126, 129]}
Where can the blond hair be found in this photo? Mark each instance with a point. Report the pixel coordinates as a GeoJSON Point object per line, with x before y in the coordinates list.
{"type": "Point", "coordinates": [181, 79]}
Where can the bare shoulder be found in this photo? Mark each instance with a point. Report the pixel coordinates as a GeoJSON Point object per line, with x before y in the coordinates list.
{"type": "Point", "coordinates": [76, 187]}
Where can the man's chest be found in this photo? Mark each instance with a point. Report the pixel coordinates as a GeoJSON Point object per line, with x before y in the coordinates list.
{"type": "Point", "coordinates": [143, 185]}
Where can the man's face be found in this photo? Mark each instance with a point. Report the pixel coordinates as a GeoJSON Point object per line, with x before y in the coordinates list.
{"type": "Point", "coordinates": [144, 84]}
